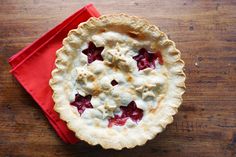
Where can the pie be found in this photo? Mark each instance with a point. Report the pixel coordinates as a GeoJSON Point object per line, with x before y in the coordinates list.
{"type": "Point", "coordinates": [118, 81]}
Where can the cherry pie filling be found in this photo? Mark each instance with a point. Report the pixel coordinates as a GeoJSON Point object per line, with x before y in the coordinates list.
{"type": "Point", "coordinates": [114, 82]}
{"type": "Point", "coordinates": [131, 111]}
{"type": "Point", "coordinates": [82, 103]}
{"type": "Point", "coordinates": [144, 60]}
{"type": "Point", "coordinates": [93, 53]}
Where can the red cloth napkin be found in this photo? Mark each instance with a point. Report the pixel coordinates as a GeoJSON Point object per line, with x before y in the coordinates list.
{"type": "Point", "coordinates": [32, 67]}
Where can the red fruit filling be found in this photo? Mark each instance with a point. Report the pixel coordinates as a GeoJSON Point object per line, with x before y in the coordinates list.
{"type": "Point", "coordinates": [146, 59]}
{"type": "Point", "coordinates": [130, 111]}
{"type": "Point", "coordinates": [114, 82]}
{"type": "Point", "coordinates": [82, 102]}
{"type": "Point", "coordinates": [93, 53]}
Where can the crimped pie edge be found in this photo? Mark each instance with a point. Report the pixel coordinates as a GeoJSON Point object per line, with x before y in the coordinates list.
{"type": "Point", "coordinates": [172, 60]}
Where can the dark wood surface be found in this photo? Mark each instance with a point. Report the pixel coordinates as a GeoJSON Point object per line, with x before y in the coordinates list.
{"type": "Point", "coordinates": [205, 32]}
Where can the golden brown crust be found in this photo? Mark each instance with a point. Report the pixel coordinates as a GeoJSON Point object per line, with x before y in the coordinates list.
{"type": "Point", "coordinates": [169, 102]}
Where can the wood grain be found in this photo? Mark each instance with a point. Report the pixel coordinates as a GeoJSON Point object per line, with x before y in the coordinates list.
{"type": "Point", "coordinates": [205, 32]}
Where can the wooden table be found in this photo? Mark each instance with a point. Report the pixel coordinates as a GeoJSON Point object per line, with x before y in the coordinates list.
{"type": "Point", "coordinates": [205, 32]}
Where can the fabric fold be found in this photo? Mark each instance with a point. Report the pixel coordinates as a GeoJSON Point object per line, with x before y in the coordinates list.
{"type": "Point", "coordinates": [32, 67]}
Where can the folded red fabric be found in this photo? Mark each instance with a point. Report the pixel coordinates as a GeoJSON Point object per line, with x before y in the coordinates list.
{"type": "Point", "coordinates": [32, 67]}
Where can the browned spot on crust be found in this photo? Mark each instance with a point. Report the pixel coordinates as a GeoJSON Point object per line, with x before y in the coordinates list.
{"type": "Point", "coordinates": [112, 66]}
{"type": "Point", "coordinates": [91, 78]}
{"type": "Point", "coordinates": [153, 110]}
{"type": "Point", "coordinates": [108, 64]}
{"type": "Point", "coordinates": [115, 68]}
{"type": "Point", "coordinates": [129, 78]}
{"type": "Point", "coordinates": [158, 104]}
{"type": "Point", "coordinates": [96, 91]}
{"type": "Point", "coordinates": [102, 30]}
{"type": "Point", "coordinates": [133, 34]}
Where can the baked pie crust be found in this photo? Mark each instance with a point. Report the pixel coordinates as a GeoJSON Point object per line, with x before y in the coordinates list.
{"type": "Point", "coordinates": [118, 81]}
